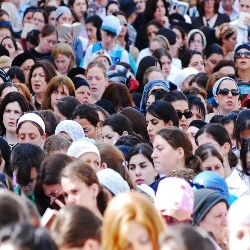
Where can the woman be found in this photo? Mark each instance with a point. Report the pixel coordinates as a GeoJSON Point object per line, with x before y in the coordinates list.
{"type": "Point", "coordinates": [226, 67]}
{"type": "Point", "coordinates": [174, 145]}
{"type": "Point", "coordinates": [12, 106]}
{"type": "Point", "coordinates": [39, 19]}
{"type": "Point", "coordinates": [131, 222]}
{"type": "Point", "coordinates": [40, 75]}
{"type": "Point", "coordinates": [5, 88]}
{"type": "Point", "coordinates": [245, 156]}
{"type": "Point", "coordinates": [112, 7]}
{"type": "Point", "coordinates": [81, 187]}
{"type": "Point", "coordinates": [194, 59]}
{"type": "Point", "coordinates": [58, 87]}
{"type": "Point", "coordinates": [82, 88]}
{"type": "Point", "coordinates": [80, 8]}
{"type": "Point", "coordinates": [97, 79]}
{"type": "Point", "coordinates": [141, 166]}
{"type": "Point", "coordinates": [209, 15]}
{"type": "Point", "coordinates": [227, 35]}
{"type": "Point", "coordinates": [242, 61]}
{"type": "Point", "coordinates": [211, 158]}
{"type": "Point", "coordinates": [210, 213]}
{"type": "Point", "coordinates": [196, 40]}
{"type": "Point", "coordinates": [63, 57]}
{"type": "Point", "coordinates": [160, 115]}
{"type": "Point", "coordinates": [212, 55]}
{"type": "Point", "coordinates": [114, 127]}
{"type": "Point", "coordinates": [10, 44]}
{"type": "Point", "coordinates": [93, 26]}
{"type": "Point", "coordinates": [152, 29]}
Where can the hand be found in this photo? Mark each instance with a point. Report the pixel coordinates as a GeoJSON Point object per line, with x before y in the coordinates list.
{"type": "Point", "coordinates": [69, 38]}
{"type": "Point", "coordinates": [247, 21]}
{"type": "Point", "coordinates": [164, 22]}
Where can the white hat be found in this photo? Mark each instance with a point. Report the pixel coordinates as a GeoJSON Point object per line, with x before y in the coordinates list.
{"type": "Point", "coordinates": [32, 117]}
{"type": "Point", "coordinates": [78, 148]}
{"type": "Point", "coordinates": [113, 181]}
{"type": "Point", "coordinates": [101, 53]}
{"type": "Point", "coordinates": [112, 25]}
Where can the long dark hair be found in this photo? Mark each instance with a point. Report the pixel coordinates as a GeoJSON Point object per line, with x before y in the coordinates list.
{"type": "Point", "coordinates": [245, 148]}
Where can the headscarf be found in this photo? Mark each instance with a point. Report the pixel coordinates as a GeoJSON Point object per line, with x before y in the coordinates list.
{"type": "Point", "coordinates": [4, 76]}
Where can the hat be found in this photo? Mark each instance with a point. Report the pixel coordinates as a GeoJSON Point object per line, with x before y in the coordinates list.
{"type": "Point", "coordinates": [76, 71]}
{"type": "Point", "coordinates": [147, 190]}
{"type": "Point", "coordinates": [243, 46]}
{"type": "Point", "coordinates": [21, 58]}
{"type": "Point", "coordinates": [169, 34]}
{"type": "Point", "coordinates": [112, 25]}
{"type": "Point", "coordinates": [72, 128]}
{"type": "Point", "coordinates": [101, 53]}
{"type": "Point", "coordinates": [79, 148]}
{"type": "Point", "coordinates": [175, 194]}
{"type": "Point", "coordinates": [113, 181]}
{"type": "Point", "coordinates": [204, 200]}
{"type": "Point", "coordinates": [197, 123]}
{"type": "Point", "coordinates": [246, 101]}
{"type": "Point", "coordinates": [128, 7]}
{"type": "Point", "coordinates": [5, 24]}
{"type": "Point", "coordinates": [61, 10]}
{"type": "Point", "coordinates": [218, 82]}
{"type": "Point", "coordinates": [192, 32]}
{"type": "Point", "coordinates": [78, 82]}
{"type": "Point", "coordinates": [107, 105]}
{"type": "Point", "coordinates": [32, 117]}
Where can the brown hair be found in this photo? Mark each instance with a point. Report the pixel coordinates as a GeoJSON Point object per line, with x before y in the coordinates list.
{"type": "Point", "coordinates": [24, 90]}
{"type": "Point", "coordinates": [148, 72]}
{"type": "Point", "coordinates": [54, 84]}
{"type": "Point", "coordinates": [48, 30]}
{"type": "Point", "coordinates": [97, 64]}
{"type": "Point", "coordinates": [212, 79]}
{"type": "Point", "coordinates": [79, 170]}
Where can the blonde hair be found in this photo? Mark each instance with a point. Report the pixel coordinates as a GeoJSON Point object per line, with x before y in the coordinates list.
{"type": "Point", "coordinates": [124, 209]}
{"type": "Point", "coordinates": [162, 40]}
{"type": "Point", "coordinates": [97, 64]}
{"type": "Point", "coordinates": [66, 50]}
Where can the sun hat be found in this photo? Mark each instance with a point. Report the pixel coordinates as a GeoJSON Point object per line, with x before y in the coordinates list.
{"type": "Point", "coordinates": [112, 25]}
{"type": "Point", "coordinates": [32, 117]}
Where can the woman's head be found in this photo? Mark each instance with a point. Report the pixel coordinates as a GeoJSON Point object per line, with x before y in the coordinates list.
{"type": "Point", "coordinates": [47, 38]}
{"type": "Point", "coordinates": [63, 15]}
{"type": "Point", "coordinates": [93, 26]}
{"type": "Point", "coordinates": [39, 19]}
{"type": "Point", "coordinates": [245, 156]}
{"type": "Point", "coordinates": [10, 44]}
{"type": "Point", "coordinates": [6, 88]}
{"type": "Point", "coordinates": [58, 87]}
{"type": "Point", "coordinates": [242, 58]}
{"type": "Point", "coordinates": [152, 29]}
{"type": "Point", "coordinates": [211, 158]}
{"type": "Point", "coordinates": [12, 106]}
{"type": "Point", "coordinates": [196, 40]}
{"type": "Point", "coordinates": [131, 221]}
{"type": "Point", "coordinates": [157, 42]}
{"type": "Point", "coordinates": [173, 144]}
{"type": "Point", "coordinates": [79, 7]}
{"type": "Point", "coordinates": [226, 67]}
{"type": "Point", "coordinates": [165, 60]}
{"type": "Point", "coordinates": [160, 114]}
{"type": "Point", "coordinates": [197, 108]}
{"type": "Point", "coordinates": [64, 57]}
{"type": "Point", "coordinates": [193, 59]}
{"type": "Point", "coordinates": [112, 7]}
{"type": "Point", "coordinates": [141, 166]}
{"type": "Point", "coordinates": [156, 10]}
{"type": "Point", "coordinates": [210, 7]}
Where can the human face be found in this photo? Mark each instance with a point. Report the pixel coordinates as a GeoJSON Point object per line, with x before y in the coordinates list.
{"type": "Point", "coordinates": [26, 66]}
{"type": "Point", "coordinates": [112, 9]}
{"type": "Point", "coordinates": [47, 43]}
{"type": "Point", "coordinates": [212, 163]}
{"type": "Point", "coordinates": [179, 39]}
{"type": "Point", "coordinates": [109, 135]}
{"type": "Point", "coordinates": [197, 62]}
{"type": "Point", "coordinates": [182, 106]}
{"type": "Point", "coordinates": [152, 31]}
{"type": "Point", "coordinates": [3, 33]}
{"type": "Point", "coordinates": [140, 6]}
{"type": "Point", "coordinates": [62, 63]}
{"type": "Point", "coordinates": [153, 126]}
{"type": "Point", "coordinates": [137, 237]}
{"type": "Point", "coordinates": [38, 81]}
{"type": "Point", "coordinates": [89, 129]}
{"type": "Point", "coordinates": [244, 6]}
{"type": "Point", "coordinates": [150, 100]}
{"type": "Point", "coordinates": [29, 189]}
{"type": "Point", "coordinates": [97, 82]}
{"type": "Point", "coordinates": [154, 45]}
{"type": "Point", "coordinates": [60, 117]}
{"type": "Point", "coordinates": [65, 18]}
{"type": "Point", "coordinates": [78, 193]}
{"type": "Point", "coordinates": [38, 20]}
{"type": "Point", "coordinates": [8, 44]}
{"type": "Point", "coordinates": [28, 17]}
{"type": "Point", "coordinates": [124, 24]}
{"type": "Point", "coordinates": [243, 63]}
{"type": "Point", "coordinates": [92, 159]}
{"type": "Point", "coordinates": [230, 43]}
{"type": "Point", "coordinates": [162, 151]}
{"type": "Point", "coordinates": [227, 5]}
{"type": "Point", "coordinates": [191, 132]}
{"type": "Point", "coordinates": [141, 170]}
{"type": "Point", "coordinates": [209, 6]}
{"type": "Point", "coordinates": [215, 221]}
{"type": "Point", "coordinates": [227, 70]}
{"type": "Point", "coordinates": [91, 31]}
{"type": "Point", "coordinates": [52, 19]}
{"type": "Point", "coordinates": [211, 62]}
{"type": "Point", "coordinates": [79, 6]}
{"type": "Point", "coordinates": [83, 94]}
{"type": "Point", "coordinates": [108, 40]}
{"type": "Point", "coordinates": [19, 48]}
{"type": "Point", "coordinates": [160, 11]}
{"type": "Point", "coordinates": [196, 114]}
{"type": "Point", "coordinates": [11, 114]}
{"type": "Point", "coordinates": [197, 43]}
{"type": "Point", "coordinates": [58, 94]}
{"type": "Point", "coordinates": [29, 133]}
{"type": "Point", "coordinates": [166, 66]}
{"type": "Point", "coordinates": [52, 191]}
{"type": "Point", "coordinates": [8, 90]}
{"type": "Point", "coordinates": [155, 75]}
{"type": "Point", "coordinates": [227, 103]}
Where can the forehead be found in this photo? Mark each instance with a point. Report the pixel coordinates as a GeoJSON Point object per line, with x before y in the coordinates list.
{"type": "Point", "coordinates": [28, 127]}
{"type": "Point", "coordinates": [227, 84]}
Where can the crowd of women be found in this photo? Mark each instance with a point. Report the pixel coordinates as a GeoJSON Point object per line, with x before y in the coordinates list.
{"type": "Point", "coordinates": [125, 125]}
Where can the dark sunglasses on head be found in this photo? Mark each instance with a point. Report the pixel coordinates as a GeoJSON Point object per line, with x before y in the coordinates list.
{"type": "Point", "coordinates": [187, 114]}
{"type": "Point", "coordinates": [225, 92]}
{"type": "Point", "coordinates": [238, 55]}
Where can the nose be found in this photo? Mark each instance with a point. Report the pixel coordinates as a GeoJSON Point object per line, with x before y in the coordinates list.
{"type": "Point", "coordinates": [70, 199]}
{"type": "Point", "coordinates": [137, 171]}
{"type": "Point", "coordinates": [153, 154]}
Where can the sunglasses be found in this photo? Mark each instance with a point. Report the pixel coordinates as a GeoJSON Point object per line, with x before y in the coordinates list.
{"type": "Point", "coordinates": [187, 114]}
{"type": "Point", "coordinates": [225, 92]}
{"type": "Point", "coordinates": [238, 55]}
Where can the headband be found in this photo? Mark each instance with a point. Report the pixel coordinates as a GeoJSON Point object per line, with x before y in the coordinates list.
{"type": "Point", "coordinates": [218, 82]}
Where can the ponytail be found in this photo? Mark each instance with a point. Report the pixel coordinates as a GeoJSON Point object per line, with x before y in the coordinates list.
{"type": "Point", "coordinates": [194, 162]}
{"type": "Point", "coordinates": [233, 159]}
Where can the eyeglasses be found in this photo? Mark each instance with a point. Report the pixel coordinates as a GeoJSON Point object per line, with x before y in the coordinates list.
{"type": "Point", "coordinates": [187, 114]}
{"type": "Point", "coordinates": [238, 55]}
{"type": "Point", "coordinates": [225, 92]}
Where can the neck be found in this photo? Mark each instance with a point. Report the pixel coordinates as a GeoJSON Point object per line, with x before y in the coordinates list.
{"type": "Point", "coordinates": [244, 75]}
{"type": "Point", "coordinates": [11, 137]}
{"type": "Point", "coordinates": [39, 97]}
{"type": "Point", "coordinates": [39, 49]}
{"type": "Point", "coordinates": [227, 168]}
{"type": "Point", "coordinates": [121, 40]}
{"type": "Point", "coordinates": [209, 15]}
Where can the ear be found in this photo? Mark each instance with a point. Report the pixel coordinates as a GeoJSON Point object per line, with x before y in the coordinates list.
{"type": "Point", "coordinates": [91, 244]}
{"type": "Point", "coordinates": [94, 189]}
{"type": "Point", "coordinates": [225, 148]}
{"type": "Point", "coordinates": [104, 165]}
{"type": "Point", "coordinates": [169, 124]}
{"type": "Point", "coordinates": [216, 98]}
{"type": "Point", "coordinates": [44, 136]}
{"type": "Point", "coordinates": [180, 154]}
{"type": "Point", "coordinates": [125, 133]}
{"type": "Point", "coordinates": [98, 125]}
